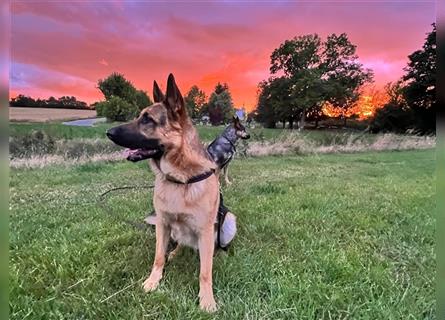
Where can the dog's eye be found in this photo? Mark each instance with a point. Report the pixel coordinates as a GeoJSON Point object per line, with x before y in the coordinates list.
{"type": "Point", "coordinates": [146, 119]}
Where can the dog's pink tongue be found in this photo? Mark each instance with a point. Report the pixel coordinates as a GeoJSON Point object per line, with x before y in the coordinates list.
{"type": "Point", "coordinates": [128, 152]}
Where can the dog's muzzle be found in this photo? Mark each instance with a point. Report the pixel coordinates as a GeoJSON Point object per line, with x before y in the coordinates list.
{"type": "Point", "coordinates": [138, 146]}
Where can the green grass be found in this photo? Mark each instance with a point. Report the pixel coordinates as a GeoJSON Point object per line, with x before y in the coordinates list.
{"type": "Point", "coordinates": [61, 131]}
{"type": "Point", "coordinates": [320, 237]}
{"type": "Point", "coordinates": [58, 130]}
{"type": "Point", "coordinates": [207, 133]}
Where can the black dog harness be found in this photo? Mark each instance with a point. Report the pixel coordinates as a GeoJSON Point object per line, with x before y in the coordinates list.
{"type": "Point", "coordinates": [222, 209]}
{"type": "Point", "coordinates": [231, 143]}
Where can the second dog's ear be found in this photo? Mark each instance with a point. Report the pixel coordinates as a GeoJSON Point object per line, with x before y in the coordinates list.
{"type": "Point", "coordinates": [158, 96]}
{"type": "Point", "coordinates": [235, 119]}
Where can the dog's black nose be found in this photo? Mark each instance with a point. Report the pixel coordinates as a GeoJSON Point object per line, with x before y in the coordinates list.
{"type": "Point", "coordinates": [111, 133]}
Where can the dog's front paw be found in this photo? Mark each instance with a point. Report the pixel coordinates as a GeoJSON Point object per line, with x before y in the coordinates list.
{"type": "Point", "coordinates": [151, 283]}
{"type": "Point", "coordinates": [208, 304]}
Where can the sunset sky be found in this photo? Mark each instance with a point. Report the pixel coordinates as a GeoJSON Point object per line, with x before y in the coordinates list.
{"type": "Point", "coordinates": [63, 48]}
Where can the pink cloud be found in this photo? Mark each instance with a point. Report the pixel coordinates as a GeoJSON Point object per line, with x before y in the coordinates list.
{"type": "Point", "coordinates": [202, 43]}
{"type": "Point", "coordinates": [103, 62]}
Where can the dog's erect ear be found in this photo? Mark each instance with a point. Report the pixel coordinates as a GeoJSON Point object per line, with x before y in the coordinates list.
{"type": "Point", "coordinates": [158, 96]}
{"type": "Point", "coordinates": [174, 100]}
{"type": "Point", "coordinates": [236, 121]}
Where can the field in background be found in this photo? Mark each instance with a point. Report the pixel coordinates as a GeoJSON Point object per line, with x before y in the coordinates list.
{"type": "Point", "coordinates": [37, 145]}
{"type": "Point", "coordinates": [48, 114]}
{"type": "Point", "coordinates": [341, 236]}
{"type": "Point", "coordinates": [61, 131]}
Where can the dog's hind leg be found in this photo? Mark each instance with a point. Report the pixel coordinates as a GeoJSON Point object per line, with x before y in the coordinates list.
{"type": "Point", "coordinates": [174, 252]}
{"type": "Point", "coordinates": [162, 237]}
{"type": "Point", "coordinates": [206, 248]}
{"type": "Point", "coordinates": [226, 175]}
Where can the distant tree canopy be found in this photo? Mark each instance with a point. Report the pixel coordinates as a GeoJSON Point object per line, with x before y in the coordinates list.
{"type": "Point", "coordinates": [395, 116]}
{"type": "Point", "coordinates": [64, 102]}
{"type": "Point", "coordinates": [195, 102]}
{"type": "Point", "coordinates": [123, 101]}
{"type": "Point", "coordinates": [420, 84]}
{"type": "Point", "coordinates": [306, 73]}
{"type": "Point", "coordinates": [412, 102]}
{"type": "Point", "coordinates": [220, 106]}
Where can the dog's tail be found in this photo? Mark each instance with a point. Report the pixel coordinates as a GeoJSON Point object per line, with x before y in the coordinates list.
{"type": "Point", "coordinates": [151, 219]}
{"type": "Point", "coordinates": [228, 229]}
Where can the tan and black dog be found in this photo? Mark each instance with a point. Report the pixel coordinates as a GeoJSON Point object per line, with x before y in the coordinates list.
{"type": "Point", "coordinates": [186, 194]}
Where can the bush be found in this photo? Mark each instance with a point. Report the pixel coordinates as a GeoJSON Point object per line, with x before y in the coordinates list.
{"type": "Point", "coordinates": [122, 100]}
{"type": "Point", "coordinates": [142, 100]}
{"type": "Point", "coordinates": [117, 109]}
{"type": "Point", "coordinates": [392, 118]}
{"type": "Point", "coordinates": [35, 143]}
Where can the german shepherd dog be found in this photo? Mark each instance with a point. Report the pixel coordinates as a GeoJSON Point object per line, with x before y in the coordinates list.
{"type": "Point", "coordinates": [186, 193]}
{"type": "Point", "coordinates": [223, 148]}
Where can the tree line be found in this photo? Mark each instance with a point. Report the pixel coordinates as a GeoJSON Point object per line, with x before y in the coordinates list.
{"type": "Point", "coordinates": [308, 77]}
{"type": "Point", "coordinates": [124, 102]}
{"type": "Point", "coordinates": [65, 102]}
{"type": "Point", "coordinates": [412, 105]}
{"type": "Point", "coordinates": [308, 74]}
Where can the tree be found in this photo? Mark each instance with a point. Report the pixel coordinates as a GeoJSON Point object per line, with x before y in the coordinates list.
{"type": "Point", "coordinates": [195, 101]}
{"type": "Point", "coordinates": [22, 101]}
{"type": "Point", "coordinates": [142, 100]}
{"type": "Point", "coordinates": [274, 102]}
{"type": "Point", "coordinates": [116, 85]}
{"type": "Point", "coordinates": [116, 109]}
{"type": "Point", "coordinates": [318, 72]}
{"type": "Point", "coordinates": [412, 100]}
{"type": "Point", "coordinates": [299, 60]}
{"type": "Point", "coordinates": [393, 117]}
{"type": "Point", "coordinates": [420, 84]}
{"type": "Point", "coordinates": [220, 105]}
{"type": "Point", "coordinates": [265, 112]}
{"type": "Point", "coordinates": [122, 100]}
{"type": "Point", "coordinates": [394, 90]}
{"type": "Point", "coordinates": [343, 74]}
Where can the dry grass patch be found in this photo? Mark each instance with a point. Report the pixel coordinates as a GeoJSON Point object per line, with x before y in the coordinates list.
{"type": "Point", "coordinates": [48, 114]}
{"type": "Point", "coordinates": [301, 144]}
{"type": "Point", "coordinates": [41, 161]}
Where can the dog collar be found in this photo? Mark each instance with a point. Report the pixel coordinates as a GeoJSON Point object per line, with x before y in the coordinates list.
{"type": "Point", "coordinates": [193, 179]}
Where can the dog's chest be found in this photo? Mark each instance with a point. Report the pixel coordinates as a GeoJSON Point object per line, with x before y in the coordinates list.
{"type": "Point", "coordinates": [182, 229]}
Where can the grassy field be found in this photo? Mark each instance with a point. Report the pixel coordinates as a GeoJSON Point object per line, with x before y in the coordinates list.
{"type": "Point", "coordinates": [207, 133]}
{"type": "Point", "coordinates": [340, 236]}
{"type": "Point", "coordinates": [48, 114]}
{"type": "Point", "coordinates": [60, 131]}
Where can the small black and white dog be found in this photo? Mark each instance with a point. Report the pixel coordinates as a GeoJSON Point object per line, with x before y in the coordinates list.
{"type": "Point", "coordinates": [223, 148]}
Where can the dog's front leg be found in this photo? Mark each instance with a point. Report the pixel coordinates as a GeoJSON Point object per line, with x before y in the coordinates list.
{"type": "Point", "coordinates": [162, 237]}
{"type": "Point", "coordinates": [226, 175]}
{"type": "Point", "coordinates": [206, 248]}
